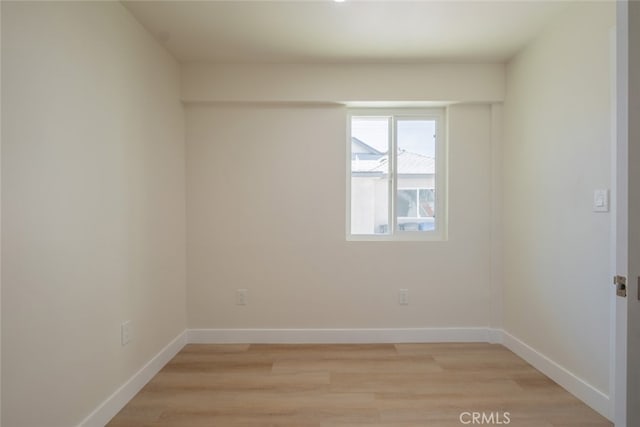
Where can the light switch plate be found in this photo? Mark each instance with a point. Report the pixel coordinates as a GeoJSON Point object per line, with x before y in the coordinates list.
{"type": "Point", "coordinates": [601, 200]}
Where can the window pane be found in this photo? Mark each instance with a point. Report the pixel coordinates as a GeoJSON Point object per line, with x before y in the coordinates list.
{"type": "Point", "coordinates": [427, 202]}
{"type": "Point", "coordinates": [407, 203]}
{"type": "Point", "coordinates": [369, 206]}
{"type": "Point", "coordinates": [416, 154]}
{"type": "Point", "coordinates": [370, 175]}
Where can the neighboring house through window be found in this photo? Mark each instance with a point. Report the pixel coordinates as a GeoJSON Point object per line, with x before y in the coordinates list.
{"type": "Point", "coordinates": [397, 177]}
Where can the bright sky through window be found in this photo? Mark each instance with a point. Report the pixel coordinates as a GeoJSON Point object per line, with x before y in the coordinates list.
{"type": "Point", "coordinates": [373, 132]}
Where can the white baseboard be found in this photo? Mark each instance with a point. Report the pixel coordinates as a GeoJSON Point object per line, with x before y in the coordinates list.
{"type": "Point", "coordinates": [584, 391]}
{"type": "Point", "coordinates": [114, 403]}
{"type": "Point", "coordinates": [336, 336]}
{"type": "Point", "coordinates": [496, 336]}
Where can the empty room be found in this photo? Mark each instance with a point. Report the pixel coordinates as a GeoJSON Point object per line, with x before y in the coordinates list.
{"type": "Point", "coordinates": [319, 213]}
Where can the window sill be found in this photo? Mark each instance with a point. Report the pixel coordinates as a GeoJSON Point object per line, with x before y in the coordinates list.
{"type": "Point", "coordinates": [407, 236]}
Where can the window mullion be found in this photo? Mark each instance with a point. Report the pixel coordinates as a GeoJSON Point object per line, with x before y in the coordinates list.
{"type": "Point", "coordinates": [393, 173]}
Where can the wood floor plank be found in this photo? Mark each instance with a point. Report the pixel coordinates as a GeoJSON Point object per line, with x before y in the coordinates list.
{"type": "Point", "coordinates": [325, 351]}
{"type": "Point", "coordinates": [364, 365]}
{"type": "Point", "coordinates": [207, 349]}
{"type": "Point", "coordinates": [355, 385]}
{"type": "Point", "coordinates": [238, 381]}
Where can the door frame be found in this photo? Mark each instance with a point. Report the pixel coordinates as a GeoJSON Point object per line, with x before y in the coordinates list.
{"type": "Point", "coordinates": [620, 219]}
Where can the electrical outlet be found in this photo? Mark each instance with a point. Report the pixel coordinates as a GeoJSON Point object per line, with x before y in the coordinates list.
{"type": "Point", "coordinates": [403, 297]}
{"type": "Point", "coordinates": [125, 332]}
{"type": "Point", "coordinates": [241, 296]}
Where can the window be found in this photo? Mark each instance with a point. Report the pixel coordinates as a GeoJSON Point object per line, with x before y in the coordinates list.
{"type": "Point", "coordinates": [396, 175]}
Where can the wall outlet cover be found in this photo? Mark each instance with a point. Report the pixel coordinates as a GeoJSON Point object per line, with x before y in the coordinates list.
{"type": "Point", "coordinates": [125, 332]}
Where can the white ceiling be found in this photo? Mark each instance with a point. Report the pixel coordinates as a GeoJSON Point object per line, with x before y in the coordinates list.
{"type": "Point", "coordinates": [354, 31]}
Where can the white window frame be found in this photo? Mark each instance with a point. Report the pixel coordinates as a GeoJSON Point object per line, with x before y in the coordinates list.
{"type": "Point", "coordinates": [441, 175]}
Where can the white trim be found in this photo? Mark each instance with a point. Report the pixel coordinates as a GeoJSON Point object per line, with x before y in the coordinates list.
{"type": "Point", "coordinates": [114, 403]}
{"type": "Point", "coordinates": [584, 391]}
{"type": "Point", "coordinates": [618, 248]}
{"type": "Point", "coordinates": [496, 336]}
{"type": "Point", "coordinates": [621, 184]}
{"type": "Point", "coordinates": [336, 336]}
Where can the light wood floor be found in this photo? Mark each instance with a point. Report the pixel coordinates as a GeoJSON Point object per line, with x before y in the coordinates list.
{"type": "Point", "coordinates": [351, 385]}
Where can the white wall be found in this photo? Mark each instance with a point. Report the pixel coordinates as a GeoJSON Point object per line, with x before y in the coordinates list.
{"type": "Point", "coordinates": [266, 211]}
{"type": "Point", "coordinates": [314, 83]}
{"type": "Point", "coordinates": [557, 146]}
{"type": "Point", "coordinates": [93, 206]}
